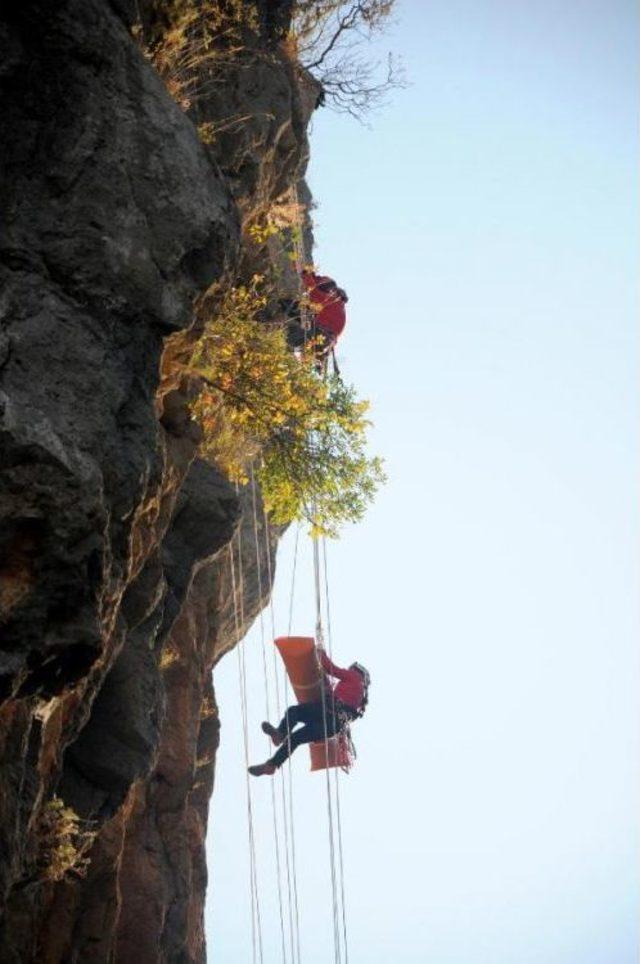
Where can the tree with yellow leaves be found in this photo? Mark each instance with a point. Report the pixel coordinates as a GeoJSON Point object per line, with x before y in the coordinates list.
{"type": "Point", "coordinates": [260, 402]}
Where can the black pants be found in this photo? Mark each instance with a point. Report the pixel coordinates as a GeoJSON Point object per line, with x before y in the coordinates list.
{"type": "Point", "coordinates": [313, 716]}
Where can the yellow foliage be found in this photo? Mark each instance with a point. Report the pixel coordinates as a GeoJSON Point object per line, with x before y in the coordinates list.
{"type": "Point", "coordinates": [260, 402]}
{"type": "Point", "coordinates": [63, 841]}
{"type": "Point", "coordinates": [208, 708]}
{"type": "Point", "coordinates": [168, 657]}
{"type": "Point", "coordinates": [283, 215]}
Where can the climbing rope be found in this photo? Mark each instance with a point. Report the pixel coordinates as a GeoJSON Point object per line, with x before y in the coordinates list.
{"type": "Point", "coordinates": [307, 315]}
{"type": "Point", "coordinates": [238, 614]}
{"type": "Point", "coordinates": [293, 579]}
{"type": "Point", "coordinates": [336, 770]}
{"type": "Point", "coordinates": [287, 689]}
{"type": "Point", "coordinates": [267, 704]}
{"type": "Point", "coordinates": [294, 928]}
{"type": "Point", "coordinates": [332, 857]}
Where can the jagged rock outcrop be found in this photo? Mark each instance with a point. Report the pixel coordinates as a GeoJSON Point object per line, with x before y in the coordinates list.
{"type": "Point", "coordinates": [115, 593]}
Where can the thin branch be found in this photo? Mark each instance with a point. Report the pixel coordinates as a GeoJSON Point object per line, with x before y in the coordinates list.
{"type": "Point", "coordinates": [346, 23]}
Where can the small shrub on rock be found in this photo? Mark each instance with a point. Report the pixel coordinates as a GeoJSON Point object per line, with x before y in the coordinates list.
{"type": "Point", "coordinates": [168, 657]}
{"type": "Point", "coordinates": [63, 840]}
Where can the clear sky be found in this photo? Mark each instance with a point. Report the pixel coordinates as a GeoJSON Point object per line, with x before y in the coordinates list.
{"type": "Point", "coordinates": [485, 229]}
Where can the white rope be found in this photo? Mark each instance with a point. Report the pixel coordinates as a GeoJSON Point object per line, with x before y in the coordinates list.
{"type": "Point", "coordinates": [280, 773]}
{"type": "Point", "coordinates": [332, 858]}
{"type": "Point", "coordinates": [246, 748]}
{"type": "Point", "coordinates": [336, 769]}
{"type": "Point", "coordinates": [256, 929]}
{"type": "Point", "coordinates": [293, 856]}
{"type": "Point", "coordinates": [276, 835]}
{"type": "Point", "coordinates": [287, 689]}
{"type": "Point", "coordinates": [307, 315]}
{"type": "Point", "coordinates": [316, 586]}
{"type": "Point", "coordinates": [246, 724]}
{"type": "Point", "coordinates": [293, 579]}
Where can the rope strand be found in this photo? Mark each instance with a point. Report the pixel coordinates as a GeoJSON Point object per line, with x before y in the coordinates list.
{"type": "Point", "coordinates": [336, 769]}
{"type": "Point", "coordinates": [332, 859]}
{"type": "Point", "coordinates": [246, 724]}
{"type": "Point", "coordinates": [287, 690]}
{"type": "Point", "coordinates": [255, 912]}
{"type": "Point", "coordinates": [267, 704]}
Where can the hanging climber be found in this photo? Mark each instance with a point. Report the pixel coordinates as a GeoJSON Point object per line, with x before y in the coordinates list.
{"type": "Point", "coordinates": [343, 703]}
{"type": "Point", "coordinates": [326, 300]}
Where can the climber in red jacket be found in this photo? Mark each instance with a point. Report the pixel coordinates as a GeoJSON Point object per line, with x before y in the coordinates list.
{"type": "Point", "coordinates": [343, 703]}
{"type": "Point", "coordinates": [327, 303]}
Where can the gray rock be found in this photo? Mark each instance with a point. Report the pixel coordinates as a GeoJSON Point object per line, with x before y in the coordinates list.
{"type": "Point", "coordinates": [116, 217]}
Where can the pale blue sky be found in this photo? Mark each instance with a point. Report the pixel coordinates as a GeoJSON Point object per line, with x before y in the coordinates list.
{"type": "Point", "coordinates": [486, 231]}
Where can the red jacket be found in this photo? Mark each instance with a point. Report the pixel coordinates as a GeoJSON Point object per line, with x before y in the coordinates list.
{"type": "Point", "coordinates": [350, 689]}
{"type": "Point", "coordinates": [327, 305]}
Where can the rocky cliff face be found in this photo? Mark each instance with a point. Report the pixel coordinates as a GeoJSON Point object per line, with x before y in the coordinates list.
{"type": "Point", "coordinates": [115, 583]}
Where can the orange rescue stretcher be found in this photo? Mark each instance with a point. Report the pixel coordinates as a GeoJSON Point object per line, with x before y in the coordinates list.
{"type": "Point", "coordinates": [299, 657]}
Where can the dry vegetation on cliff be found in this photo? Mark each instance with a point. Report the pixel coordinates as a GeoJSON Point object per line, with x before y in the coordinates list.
{"type": "Point", "coordinates": [63, 841]}
{"type": "Point", "coordinates": [327, 39]}
{"type": "Point", "coordinates": [200, 40]}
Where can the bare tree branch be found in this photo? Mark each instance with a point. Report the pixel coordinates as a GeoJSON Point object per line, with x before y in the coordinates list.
{"type": "Point", "coordinates": [348, 22]}
{"type": "Point", "coordinates": [331, 35]}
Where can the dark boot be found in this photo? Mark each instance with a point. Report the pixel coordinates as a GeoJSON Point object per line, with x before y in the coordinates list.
{"type": "Point", "coordinates": [273, 732]}
{"type": "Point", "coordinates": [263, 769]}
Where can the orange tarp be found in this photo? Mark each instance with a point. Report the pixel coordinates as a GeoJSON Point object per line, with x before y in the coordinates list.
{"type": "Point", "coordinates": [299, 657]}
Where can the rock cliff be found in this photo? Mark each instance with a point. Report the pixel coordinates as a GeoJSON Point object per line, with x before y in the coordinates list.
{"type": "Point", "coordinates": [115, 586]}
